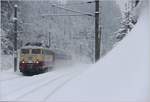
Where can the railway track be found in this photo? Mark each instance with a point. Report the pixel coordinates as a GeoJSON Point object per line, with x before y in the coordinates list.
{"type": "Point", "coordinates": [19, 94]}
{"type": "Point", "coordinates": [46, 84]}
{"type": "Point", "coordinates": [40, 86]}
{"type": "Point", "coordinates": [28, 84]}
{"type": "Point", "coordinates": [51, 87]}
{"type": "Point", "coordinates": [56, 89]}
{"type": "Point", "coordinates": [48, 89]}
{"type": "Point", "coordinates": [35, 84]}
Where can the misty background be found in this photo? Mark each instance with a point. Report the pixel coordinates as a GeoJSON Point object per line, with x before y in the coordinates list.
{"type": "Point", "coordinates": [74, 35]}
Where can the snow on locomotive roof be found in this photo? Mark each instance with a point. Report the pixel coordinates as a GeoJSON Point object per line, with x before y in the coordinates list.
{"type": "Point", "coordinates": [34, 47]}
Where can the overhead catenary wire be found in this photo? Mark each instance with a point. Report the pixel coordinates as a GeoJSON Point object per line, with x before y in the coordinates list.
{"type": "Point", "coordinates": [43, 15]}
{"type": "Point", "coordinates": [68, 9]}
{"type": "Point", "coordinates": [79, 3]}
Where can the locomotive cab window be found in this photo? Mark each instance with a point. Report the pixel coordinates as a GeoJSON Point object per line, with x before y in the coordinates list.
{"type": "Point", "coordinates": [25, 51]}
{"type": "Point", "coordinates": [36, 51]}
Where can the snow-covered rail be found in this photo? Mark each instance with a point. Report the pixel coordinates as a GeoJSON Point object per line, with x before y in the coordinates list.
{"type": "Point", "coordinates": [25, 85]}
{"type": "Point", "coordinates": [57, 87]}
{"type": "Point", "coordinates": [26, 82]}
{"type": "Point", "coordinates": [35, 87]}
{"type": "Point", "coordinates": [48, 88]}
{"type": "Point", "coordinates": [28, 88]}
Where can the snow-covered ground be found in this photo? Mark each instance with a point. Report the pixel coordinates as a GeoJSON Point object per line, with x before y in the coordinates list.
{"type": "Point", "coordinates": [121, 76]}
{"type": "Point", "coordinates": [16, 87]}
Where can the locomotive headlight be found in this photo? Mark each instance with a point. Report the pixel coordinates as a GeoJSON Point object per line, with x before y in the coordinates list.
{"type": "Point", "coordinates": [23, 62]}
{"type": "Point", "coordinates": [37, 62]}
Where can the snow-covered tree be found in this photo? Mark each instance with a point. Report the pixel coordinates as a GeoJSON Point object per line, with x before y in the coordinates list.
{"type": "Point", "coordinates": [129, 19]}
{"type": "Point", "coordinates": [7, 25]}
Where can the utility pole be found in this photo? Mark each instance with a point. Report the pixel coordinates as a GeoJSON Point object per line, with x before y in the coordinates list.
{"type": "Point", "coordinates": [49, 41]}
{"type": "Point", "coordinates": [97, 34]}
{"type": "Point", "coordinates": [15, 38]}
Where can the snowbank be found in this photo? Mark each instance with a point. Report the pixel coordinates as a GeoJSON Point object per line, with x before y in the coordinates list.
{"type": "Point", "coordinates": [121, 76]}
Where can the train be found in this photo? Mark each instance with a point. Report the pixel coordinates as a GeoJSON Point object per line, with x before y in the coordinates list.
{"type": "Point", "coordinates": [35, 60]}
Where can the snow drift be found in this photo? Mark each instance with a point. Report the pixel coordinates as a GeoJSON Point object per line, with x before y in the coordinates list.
{"type": "Point", "coordinates": [121, 76]}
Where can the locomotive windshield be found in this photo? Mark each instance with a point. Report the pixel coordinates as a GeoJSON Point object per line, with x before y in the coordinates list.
{"type": "Point", "coordinates": [25, 51]}
{"type": "Point", "coordinates": [36, 51]}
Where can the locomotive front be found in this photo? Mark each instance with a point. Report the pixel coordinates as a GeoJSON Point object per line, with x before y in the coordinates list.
{"type": "Point", "coordinates": [31, 60]}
